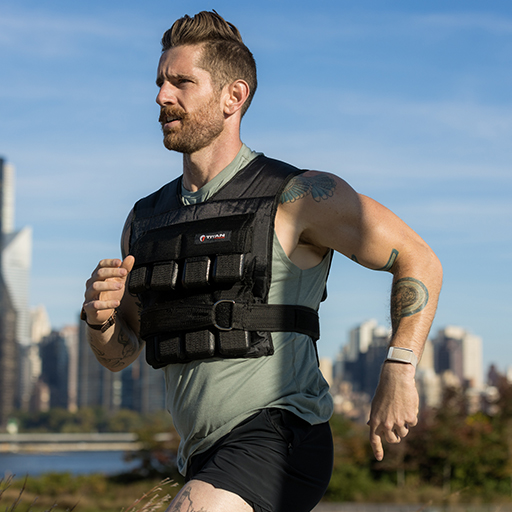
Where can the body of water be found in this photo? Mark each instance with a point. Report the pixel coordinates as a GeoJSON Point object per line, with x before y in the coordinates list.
{"type": "Point", "coordinates": [76, 463]}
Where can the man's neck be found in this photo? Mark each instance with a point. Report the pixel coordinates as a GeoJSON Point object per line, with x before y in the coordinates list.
{"type": "Point", "coordinates": [202, 166]}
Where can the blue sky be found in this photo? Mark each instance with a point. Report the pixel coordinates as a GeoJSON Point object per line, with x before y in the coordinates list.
{"type": "Point", "coordinates": [410, 102]}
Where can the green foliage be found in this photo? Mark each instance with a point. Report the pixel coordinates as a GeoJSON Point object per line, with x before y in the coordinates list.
{"type": "Point", "coordinates": [450, 456]}
{"type": "Point", "coordinates": [457, 451]}
{"type": "Point", "coordinates": [63, 421]}
{"type": "Point", "coordinates": [351, 473]}
{"type": "Point", "coordinates": [56, 484]}
{"type": "Point", "coordinates": [88, 420]}
{"type": "Point", "coordinates": [349, 483]}
{"type": "Point", "coordinates": [125, 421]}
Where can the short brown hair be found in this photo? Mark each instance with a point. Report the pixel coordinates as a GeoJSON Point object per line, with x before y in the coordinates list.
{"type": "Point", "coordinates": [224, 54]}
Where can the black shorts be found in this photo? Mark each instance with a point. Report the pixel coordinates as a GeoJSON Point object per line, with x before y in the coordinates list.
{"type": "Point", "coordinates": [275, 461]}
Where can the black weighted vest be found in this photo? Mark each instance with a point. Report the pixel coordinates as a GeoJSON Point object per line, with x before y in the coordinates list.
{"type": "Point", "coordinates": [202, 272]}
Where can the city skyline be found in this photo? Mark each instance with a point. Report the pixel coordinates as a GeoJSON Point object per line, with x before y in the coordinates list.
{"type": "Point", "coordinates": [409, 103]}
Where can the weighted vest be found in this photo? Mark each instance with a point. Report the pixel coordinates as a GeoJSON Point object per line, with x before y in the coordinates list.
{"type": "Point", "coordinates": [202, 272]}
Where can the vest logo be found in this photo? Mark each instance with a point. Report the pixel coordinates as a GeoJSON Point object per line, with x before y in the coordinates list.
{"type": "Point", "coordinates": [207, 238]}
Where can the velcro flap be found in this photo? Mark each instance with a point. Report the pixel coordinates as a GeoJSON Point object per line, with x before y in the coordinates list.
{"type": "Point", "coordinates": [137, 281]}
{"type": "Point", "coordinates": [170, 350]}
{"type": "Point", "coordinates": [196, 272]}
{"type": "Point", "coordinates": [200, 344]}
{"type": "Point", "coordinates": [234, 343]}
{"type": "Point", "coordinates": [165, 276]}
{"type": "Point", "coordinates": [228, 268]}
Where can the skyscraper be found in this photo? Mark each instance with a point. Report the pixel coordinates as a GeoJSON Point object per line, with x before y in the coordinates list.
{"type": "Point", "coordinates": [31, 368]}
{"type": "Point", "coordinates": [16, 258]}
{"type": "Point", "coordinates": [363, 355]}
{"type": "Point", "coordinates": [138, 387]}
{"type": "Point", "coordinates": [461, 352]}
{"type": "Point", "coordinates": [55, 368]}
{"type": "Point", "coordinates": [8, 311]}
{"type": "Point", "coordinates": [96, 386]}
{"type": "Point", "coordinates": [8, 355]}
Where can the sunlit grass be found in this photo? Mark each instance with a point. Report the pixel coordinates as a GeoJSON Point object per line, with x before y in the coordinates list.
{"type": "Point", "coordinates": [93, 493]}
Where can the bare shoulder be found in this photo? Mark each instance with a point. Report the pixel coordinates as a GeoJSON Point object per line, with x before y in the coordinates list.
{"type": "Point", "coordinates": [316, 185]}
{"type": "Point", "coordinates": [314, 197]}
{"type": "Point", "coordinates": [314, 208]}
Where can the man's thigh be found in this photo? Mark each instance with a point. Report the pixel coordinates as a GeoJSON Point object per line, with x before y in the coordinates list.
{"type": "Point", "coordinates": [197, 496]}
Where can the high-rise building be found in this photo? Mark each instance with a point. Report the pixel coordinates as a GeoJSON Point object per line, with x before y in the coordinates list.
{"type": "Point", "coordinates": [428, 381]}
{"type": "Point", "coordinates": [70, 335]}
{"type": "Point", "coordinates": [16, 264]}
{"type": "Point", "coordinates": [363, 356]}
{"type": "Point", "coordinates": [326, 367]}
{"type": "Point", "coordinates": [8, 355]}
{"type": "Point", "coordinates": [16, 258]}
{"type": "Point", "coordinates": [360, 338]}
{"type": "Point", "coordinates": [143, 388]}
{"type": "Point", "coordinates": [59, 357]}
{"type": "Point", "coordinates": [7, 188]}
{"type": "Point", "coordinates": [461, 352]}
{"type": "Point", "coordinates": [30, 362]}
{"type": "Point", "coordinates": [97, 386]}
{"type": "Point", "coordinates": [452, 359]}
{"type": "Point", "coordinates": [11, 315]}
{"type": "Point", "coordinates": [138, 387]}
{"type": "Point", "coordinates": [55, 372]}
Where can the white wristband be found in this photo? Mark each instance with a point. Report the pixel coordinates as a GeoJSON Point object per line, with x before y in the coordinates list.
{"type": "Point", "coordinates": [402, 355]}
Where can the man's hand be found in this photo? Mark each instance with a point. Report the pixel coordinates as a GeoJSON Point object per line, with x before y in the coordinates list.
{"type": "Point", "coordinates": [394, 407]}
{"type": "Point", "coordinates": [105, 289]}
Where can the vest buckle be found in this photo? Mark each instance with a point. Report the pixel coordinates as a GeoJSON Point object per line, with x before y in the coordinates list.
{"type": "Point", "coordinates": [222, 312]}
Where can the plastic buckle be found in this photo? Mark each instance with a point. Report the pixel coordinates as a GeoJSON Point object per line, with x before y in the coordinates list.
{"type": "Point", "coordinates": [214, 310]}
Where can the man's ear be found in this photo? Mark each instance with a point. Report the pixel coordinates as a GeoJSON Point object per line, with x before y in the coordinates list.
{"type": "Point", "coordinates": [236, 95]}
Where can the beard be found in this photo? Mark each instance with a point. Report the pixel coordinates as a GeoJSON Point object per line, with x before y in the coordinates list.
{"type": "Point", "coordinates": [196, 130]}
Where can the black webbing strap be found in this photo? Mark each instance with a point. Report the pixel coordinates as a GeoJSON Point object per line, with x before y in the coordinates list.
{"type": "Point", "coordinates": [227, 315]}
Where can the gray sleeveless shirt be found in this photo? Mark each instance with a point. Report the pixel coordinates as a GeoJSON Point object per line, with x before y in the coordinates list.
{"type": "Point", "coordinates": [208, 398]}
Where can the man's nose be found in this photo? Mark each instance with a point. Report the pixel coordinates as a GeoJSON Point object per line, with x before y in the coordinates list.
{"type": "Point", "coordinates": [166, 95]}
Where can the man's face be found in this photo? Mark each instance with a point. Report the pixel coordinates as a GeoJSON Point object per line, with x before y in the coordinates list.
{"type": "Point", "coordinates": [190, 111]}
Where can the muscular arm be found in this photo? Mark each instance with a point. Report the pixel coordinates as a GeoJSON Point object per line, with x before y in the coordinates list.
{"type": "Point", "coordinates": [105, 293]}
{"type": "Point", "coordinates": [319, 212]}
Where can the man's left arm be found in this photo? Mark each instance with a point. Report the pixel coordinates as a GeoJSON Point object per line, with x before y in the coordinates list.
{"type": "Point", "coordinates": [332, 215]}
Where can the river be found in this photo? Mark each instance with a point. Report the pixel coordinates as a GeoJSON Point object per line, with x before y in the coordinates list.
{"type": "Point", "coordinates": [76, 463]}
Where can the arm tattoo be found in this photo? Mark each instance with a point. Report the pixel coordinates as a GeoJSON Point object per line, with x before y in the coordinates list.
{"type": "Point", "coordinates": [319, 187]}
{"type": "Point", "coordinates": [185, 504]}
{"type": "Point", "coordinates": [387, 266]}
{"type": "Point", "coordinates": [391, 261]}
{"type": "Point", "coordinates": [116, 362]}
{"type": "Point", "coordinates": [128, 347]}
{"type": "Point", "coordinates": [408, 297]}
{"type": "Point", "coordinates": [110, 362]}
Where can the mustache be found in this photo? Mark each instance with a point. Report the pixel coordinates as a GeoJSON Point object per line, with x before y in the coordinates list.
{"type": "Point", "coordinates": [171, 112]}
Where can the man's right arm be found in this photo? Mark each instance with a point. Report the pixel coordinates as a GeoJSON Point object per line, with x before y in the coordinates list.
{"type": "Point", "coordinates": [106, 297]}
